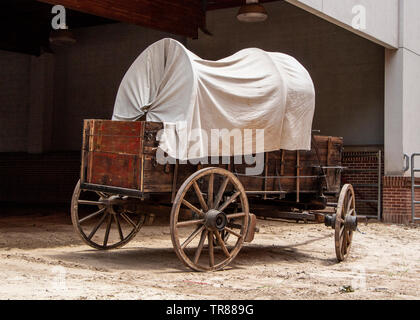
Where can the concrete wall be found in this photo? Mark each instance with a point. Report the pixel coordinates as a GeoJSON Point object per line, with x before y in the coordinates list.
{"type": "Point", "coordinates": [410, 46]}
{"type": "Point", "coordinates": [381, 17]}
{"type": "Point", "coordinates": [348, 71]}
{"type": "Point", "coordinates": [43, 100]}
{"type": "Point", "coordinates": [402, 100]}
{"type": "Point", "coordinates": [87, 76]}
{"type": "Point", "coordinates": [14, 101]}
{"type": "Point", "coordinates": [410, 26]}
{"type": "Point", "coordinates": [411, 112]}
{"type": "Point", "coordinates": [26, 91]}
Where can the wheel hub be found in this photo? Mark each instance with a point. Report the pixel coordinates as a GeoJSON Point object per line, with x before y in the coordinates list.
{"type": "Point", "coordinates": [351, 222]}
{"type": "Point", "coordinates": [330, 220]}
{"type": "Point", "coordinates": [112, 204]}
{"type": "Point", "coordinates": [215, 220]}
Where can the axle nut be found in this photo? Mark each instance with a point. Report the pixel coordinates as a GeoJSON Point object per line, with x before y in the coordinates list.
{"type": "Point", "coordinates": [330, 220]}
{"type": "Point", "coordinates": [215, 220]}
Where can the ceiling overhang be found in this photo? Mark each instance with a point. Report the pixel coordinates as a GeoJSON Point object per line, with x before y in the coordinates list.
{"type": "Point", "coordinates": [179, 17]}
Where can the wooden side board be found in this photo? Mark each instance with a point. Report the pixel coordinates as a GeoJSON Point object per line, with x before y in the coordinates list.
{"type": "Point", "coordinates": [113, 152]}
{"type": "Point", "coordinates": [123, 154]}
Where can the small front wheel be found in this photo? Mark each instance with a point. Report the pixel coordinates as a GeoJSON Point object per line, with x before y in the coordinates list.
{"type": "Point", "coordinates": [101, 220]}
{"type": "Point", "coordinates": [345, 222]}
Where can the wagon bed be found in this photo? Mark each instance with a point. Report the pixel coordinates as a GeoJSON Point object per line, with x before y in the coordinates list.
{"type": "Point", "coordinates": [120, 156]}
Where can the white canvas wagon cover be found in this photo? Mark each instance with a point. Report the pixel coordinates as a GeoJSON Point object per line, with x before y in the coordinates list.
{"type": "Point", "coordinates": [252, 89]}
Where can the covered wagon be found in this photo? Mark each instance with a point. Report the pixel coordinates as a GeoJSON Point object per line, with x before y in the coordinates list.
{"type": "Point", "coordinates": [213, 144]}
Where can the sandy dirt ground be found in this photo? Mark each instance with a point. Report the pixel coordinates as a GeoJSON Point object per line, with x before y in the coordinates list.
{"type": "Point", "coordinates": [42, 258]}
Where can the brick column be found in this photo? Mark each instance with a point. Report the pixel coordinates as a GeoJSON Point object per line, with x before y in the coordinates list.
{"type": "Point", "coordinates": [397, 199]}
{"type": "Point", "coordinates": [366, 164]}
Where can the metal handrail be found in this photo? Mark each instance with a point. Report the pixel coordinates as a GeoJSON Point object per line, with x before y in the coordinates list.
{"type": "Point", "coordinates": [413, 187]}
{"type": "Point", "coordinates": [407, 163]}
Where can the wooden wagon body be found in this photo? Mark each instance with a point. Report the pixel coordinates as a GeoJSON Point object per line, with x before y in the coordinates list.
{"type": "Point", "coordinates": [119, 164]}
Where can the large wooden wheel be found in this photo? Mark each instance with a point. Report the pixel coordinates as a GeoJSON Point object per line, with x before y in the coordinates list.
{"type": "Point", "coordinates": [210, 204]}
{"type": "Point", "coordinates": [101, 219]}
{"type": "Point", "coordinates": [345, 222]}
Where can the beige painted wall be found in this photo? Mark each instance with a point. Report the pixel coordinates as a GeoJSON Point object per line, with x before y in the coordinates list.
{"type": "Point", "coordinates": [402, 102]}
{"type": "Point", "coordinates": [381, 17]}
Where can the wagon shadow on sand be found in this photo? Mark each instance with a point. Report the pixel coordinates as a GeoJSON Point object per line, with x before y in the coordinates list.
{"type": "Point", "coordinates": [165, 260]}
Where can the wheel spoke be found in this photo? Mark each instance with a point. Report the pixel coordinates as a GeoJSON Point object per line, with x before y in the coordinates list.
{"type": "Point", "coordinates": [117, 222]}
{"type": "Point", "coordinates": [229, 201]}
{"type": "Point", "coordinates": [349, 203]}
{"type": "Point", "coordinates": [347, 236]}
{"type": "Point", "coordinates": [108, 228]}
{"type": "Point", "coordinates": [189, 223]}
{"type": "Point", "coordinates": [200, 246]}
{"type": "Point", "coordinates": [101, 194]}
{"type": "Point", "coordinates": [235, 215]}
{"type": "Point", "coordinates": [211, 248]}
{"type": "Point", "coordinates": [340, 234]}
{"type": "Point", "coordinates": [127, 218]}
{"type": "Point", "coordinates": [200, 196]}
{"type": "Point", "coordinates": [221, 192]}
{"type": "Point", "coordinates": [192, 207]}
{"type": "Point", "coordinates": [191, 237]}
{"type": "Point", "coordinates": [222, 244]}
{"type": "Point", "coordinates": [89, 202]}
{"type": "Point", "coordinates": [344, 205]}
{"type": "Point", "coordinates": [233, 232]}
{"type": "Point", "coordinates": [97, 226]}
{"type": "Point", "coordinates": [341, 237]}
{"type": "Point", "coordinates": [92, 215]}
{"type": "Point", "coordinates": [344, 244]}
{"type": "Point", "coordinates": [210, 191]}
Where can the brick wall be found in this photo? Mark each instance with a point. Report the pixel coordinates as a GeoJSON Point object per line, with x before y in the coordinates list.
{"type": "Point", "coordinates": [395, 191]}
{"type": "Point", "coordinates": [397, 199]}
{"type": "Point", "coordinates": [365, 165]}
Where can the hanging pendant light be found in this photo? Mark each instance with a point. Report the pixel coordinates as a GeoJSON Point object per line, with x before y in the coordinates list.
{"type": "Point", "coordinates": [62, 37]}
{"type": "Point", "coordinates": [252, 11]}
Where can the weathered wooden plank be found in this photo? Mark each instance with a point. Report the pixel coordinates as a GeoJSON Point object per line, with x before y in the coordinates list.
{"type": "Point", "coordinates": [114, 153]}
{"type": "Point", "coordinates": [155, 178]}
{"type": "Point", "coordinates": [222, 4]}
{"type": "Point", "coordinates": [118, 128]}
{"type": "Point", "coordinates": [117, 144]}
{"type": "Point", "coordinates": [180, 17]}
{"type": "Point", "coordinates": [115, 170]}
{"type": "Point", "coordinates": [85, 150]}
